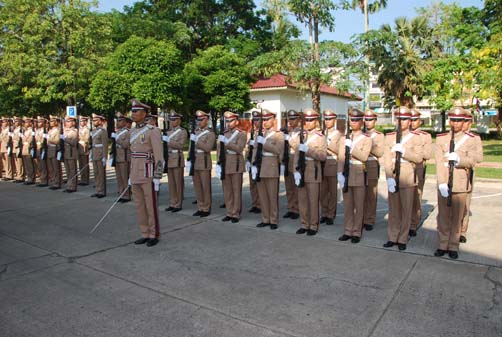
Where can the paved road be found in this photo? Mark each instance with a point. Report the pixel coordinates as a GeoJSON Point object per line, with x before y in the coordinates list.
{"type": "Point", "coordinates": [209, 278]}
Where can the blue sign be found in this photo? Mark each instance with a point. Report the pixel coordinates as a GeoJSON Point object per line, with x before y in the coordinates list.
{"type": "Point", "coordinates": [71, 111]}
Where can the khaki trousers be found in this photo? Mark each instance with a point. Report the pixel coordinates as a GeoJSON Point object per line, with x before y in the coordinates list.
{"type": "Point", "coordinates": [176, 186]}
{"type": "Point", "coordinates": [202, 186]}
{"type": "Point", "coordinates": [308, 201]}
{"type": "Point", "coordinates": [400, 206]}
{"type": "Point", "coordinates": [232, 191]}
{"type": "Point", "coordinates": [255, 200]}
{"type": "Point", "coordinates": [41, 166]}
{"type": "Point", "coordinates": [1, 164]}
{"type": "Point", "coordinates": [465, 220]}
{"type": "Point", "coordinates": [54, 171]}
{"type": "Point", "coordinates": [354, 210]}
{"type": "Point", "coordinates": [329, 194]}
{"type": "Point", "coordinates": [291, 193]}
{"type": "Point", "coordinates": [29, 168]}
{"type": "Point", "coordinates": [18, 163]}
{"type": "Point", "coordinates": [145, 199]}
{"type": "Point", "coordinates": [8, 166]}
{"type": "Point", "coordinates": [268, 190]}
{"type": "Point", "coordinates": [449, 220]}
{"type": "Point", "coordinates": [416, 215]}
{"type": "Point", "coordinates": [370, 202]}
{"type": "Point", "coordinates": [71, 174]}
{"type": "Point", "coordinates": [83, 160]}
{"type": "Point", "coordinates": [122, 173]}
{"type": "Point", "coordinates": [99, 176]}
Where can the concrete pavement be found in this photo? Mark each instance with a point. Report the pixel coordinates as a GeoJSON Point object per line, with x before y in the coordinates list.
{"type": "Point", "coordinates": [210, 278]}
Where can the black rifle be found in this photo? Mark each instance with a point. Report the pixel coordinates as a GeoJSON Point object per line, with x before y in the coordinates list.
{"type": "Point", "coordinates": [33, 144]}
{"type": "Point", "coordinates": [301, 158]}
{"type": "Point", "coordinates": [259, 151]}
{"type": "Point", "coordinates": [397, 163]}
{"type": "Point", "coordinates": [165, 128]}
{"type": "Point", "coordinates": [113, 149]}
{"type": "Point", "coordinates": [20, 143]}
{"type": "Point", "coordinates": [451, 167]}
{"type": "Point", "coordinates": [10, 143]}
{"type": "Point", "coordinates": [251, 146]}
{"type": "Point", "coordinates": [90, 138]}
{"type": "Point", "coordinates": [191, 151]}
{"type": "Point", "coordinates": [61, 141]}
{"type": "Point", "coordinates": [285, 157]}
{"type": "Point", "coordinates": [43, 155]}
{"type": "Point", "coordinates": [222, 155]}
{"type": "Point", "coordinates": [346, 164]}
{"type": "Point", "coordinates": [324, 133]}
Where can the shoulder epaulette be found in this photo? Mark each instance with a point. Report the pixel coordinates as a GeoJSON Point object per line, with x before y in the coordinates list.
{"type": "Point", "coordinates": [377, 132]}
{"type": "Point", "coordinates": [367, 135]}
{"type": "Point", "coordinates": [415, 133]}
{"type": "Point", "coordinates": [149, 126]}
{"type": "Point", "coordinates": [470, 134]}
{"type": "Point", "coordinates": [442, 134]}
{"type": "Point", "coordinates": [391, 133]}
{"type": "Point", "coordinates": [319, 133]}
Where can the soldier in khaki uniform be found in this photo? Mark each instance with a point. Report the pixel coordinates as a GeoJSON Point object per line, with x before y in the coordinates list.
{"type": "Point", "coordinates": [99, 153]}
{"type": "Point", "coordinates": [41, 159]}
{"type": "Point", "coordinates": [329, 192]}
{"type": "Point", "coordinates": [29, 151]}
{"type": "Point", "coordinates": [147, 164]}
{"type": "Point", "coordinates": [420, 168]}
{"type": "Point", "coordinates": [479, 158]}
{"type": "Point", "coordinates": [267, 176]}
{"type": "Point", "coordinates": [255, 200]}
{"type": "Point", "coordinates": [464, 157]}
{"type": "Point", "coordinates": [84, 135]}
{"type": "Point", "coordinates": [401, 197]}
{"type": "Point", "coordinates": [53, 164]}
{"type": "Point", "coordinates": [293, 138]}
{"type": "Point", "coordinates": [204, 139]}
{"type": "Point", "coordinates": [176, 139]}
{"type": "Point", "coordinates": [17, 150]}
{"type": "Point", "coordinates": [122, 157]}
{"type": "Point", "coordinates": [372, 169]}
{"type": "Point", "coordinates": [315, 148]}
{"type": "Point", "coordinates": [4, 151]}
{"type": "Point", "coordinates": [360, 147]}
{"type": "Point", "coordinates": [235, 141]}
{"type": "Point", "coordinates": [71, 154]}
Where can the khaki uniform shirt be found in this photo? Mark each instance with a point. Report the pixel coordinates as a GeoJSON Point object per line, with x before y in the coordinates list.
{"type": "Point", "coordinates": [39, 138]}
{"type": "Point", "coordinates": [99, 144]}
{"type": "Point", "coordinates": [27, 141]}
{"type": "Point", "coordinates": [147, 158]}
{"type": "Point", "coordinates": [361, 147]}
{"type": "Point", "coordinates": [333, 138]}
{"type": "Point", "coordinates": [465, 147]}
{"type": "Point", "coordinates": [234, 159]}
{"type": "Point", "coordinates": [53, 142]}
{"type": "Point", "coordinates": [4, 139]}
{"type": "Point", "coordinates": [177, 140]}
{"type": "Point", "coordinates": [17, 137]}
{"type": "Point", "coordinates": [203, 146]}
{"type": "Point", "coordinates": [272, 153]}
{"type": "Point", "coordinates": [317, 152]}
{"type": "Point", "coordinates": [413, 155]}
{"type": "Point", "coordinates": [377, 149]}
{"type": "Point", "coordinates": [70, 144]}
{"type": "Point", "coordinates": [83, 140]}
{"type": "Point", "coordinates": [122, 145]}
{"type": "Point", "coordinates": [294, 141]}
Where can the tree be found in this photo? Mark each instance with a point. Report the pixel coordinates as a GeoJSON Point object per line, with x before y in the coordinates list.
{"type": "Point", "coordinates": [146, 69]}
{"type": "Point", "coordinates": [217, 79]}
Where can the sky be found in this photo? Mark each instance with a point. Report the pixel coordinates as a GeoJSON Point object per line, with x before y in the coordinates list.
{"type": "Point", "coordinates": [347, 23]}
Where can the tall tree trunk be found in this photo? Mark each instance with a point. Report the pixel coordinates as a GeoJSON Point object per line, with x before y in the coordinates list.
{"type": "Point", "coordinates": [316, 83]}
{"type": "Point", "coordinates": [366, 57]}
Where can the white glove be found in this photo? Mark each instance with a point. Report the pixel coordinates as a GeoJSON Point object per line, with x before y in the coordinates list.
{"type": "Point", "coordinates": [286, 138]}
{"type": "Point", "coordinates": [251, 142]}
{"type": "Point", "coordinates": [104, 161]}
{"type": "Point", "coordinates": [348, 142]}
{"type": "Point", "coordinates": [165, 139]}
{"type": "Point", "coordinates": [114, 135]}
{"type": "Point", "coordinates": [443, 190]}
{"type": "Point", "coordinates": [59, 156]}
{"type": "Point", "coordinates": [193, 137]}
{"type": "Point", "coordinates": [254, 172]}
{"type": "Point", "coordinates": [283, 169]}
{"type": "Point", "coordinates": [260, 140]}
{"type": "Point", "coordinates": [33, 133]}
{"type": "Point", "coordinates": [11, 134]}
{"type": "Point", "coordinates": [222, 138]}
{"type": "Point", "coordinates": [129, 182]}
{"type": "Point", "coordinates": [391, 184]}
{"type": "Point", "coordinates": [62, 137]}
{"type": "Point", "coordinates": [110, 161]}
{"type": "Point", "coordinates": [303, 148]}
{"type": "Point", "coordinates": [156, 184]}
{"type": "Point", "coordinates": [341, 179]}
{"type": "Point", "coordinates": [188, 165]}
{"type": "Point", "coordinates": [454, 157]}
{"type": "Point", "coordinates": [46, 136]}
{"type": "Point", "coordinates": [248, 166]}
{"type": "Point", "coordinates": [298, 177]}
{"type": "Point", "coordinates": [398, 148]}
{"type": "Point", "coordinates": [217, 170]}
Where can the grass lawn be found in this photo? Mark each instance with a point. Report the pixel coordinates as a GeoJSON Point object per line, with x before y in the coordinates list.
{"type": "Point", "coordinates": [492, 150]}
{"type": "Point", "coordinates": [480, 172]}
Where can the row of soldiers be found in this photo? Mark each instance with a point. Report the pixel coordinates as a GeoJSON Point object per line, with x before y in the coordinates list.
{"type": "Point", "coordinates": [313, 159]}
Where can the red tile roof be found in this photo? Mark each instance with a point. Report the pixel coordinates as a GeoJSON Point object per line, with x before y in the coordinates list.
{"type": "Point", "coordinates": [281, 81]}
